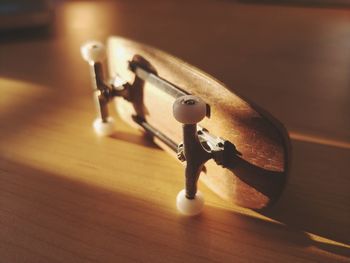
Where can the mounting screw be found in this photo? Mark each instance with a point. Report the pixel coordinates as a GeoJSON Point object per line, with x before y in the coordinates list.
{"type": "Point", "coordinates": [181, 153]}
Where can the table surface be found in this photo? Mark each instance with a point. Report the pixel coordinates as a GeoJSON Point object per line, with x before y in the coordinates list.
{"type": "Point", "coordinates": [68, 196]}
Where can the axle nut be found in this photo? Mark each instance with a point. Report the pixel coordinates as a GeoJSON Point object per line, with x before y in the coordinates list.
{"type": "Point", "coordinates": [189, 109]}
{"type": "Point", "coordinates": [93, 51]}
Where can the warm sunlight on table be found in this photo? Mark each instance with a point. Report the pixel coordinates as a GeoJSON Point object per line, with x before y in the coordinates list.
{"type": "Point", "coordinates": [67, 195]}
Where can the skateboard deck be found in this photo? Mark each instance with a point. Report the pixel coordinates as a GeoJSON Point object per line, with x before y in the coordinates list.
{"type": "Point", "coordinates": [255, 177]}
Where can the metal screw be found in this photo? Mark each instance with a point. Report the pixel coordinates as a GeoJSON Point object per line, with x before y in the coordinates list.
{"type": "Point", "coordinates": [181, 156]}
{"type": "Point", "coordinates": [190, 102]}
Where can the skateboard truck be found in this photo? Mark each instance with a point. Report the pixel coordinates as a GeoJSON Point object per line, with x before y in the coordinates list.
{"type": "Point", "coordinates": [189, 110]}
{"type": "Point", "coordinates": [198, 145]}
{"type": "Point", "coordinates": [94, 53]}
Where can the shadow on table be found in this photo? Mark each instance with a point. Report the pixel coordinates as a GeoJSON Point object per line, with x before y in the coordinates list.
{"type": "Point", "coordinates": [322, 212]}
{"type": "Point", "coordinates": [79, 220]}
{"type": "Point", "coordinates": [317, 197]}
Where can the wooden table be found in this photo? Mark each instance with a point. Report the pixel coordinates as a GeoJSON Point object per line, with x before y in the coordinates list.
{"type": "Point", "coordinates": [68, 196]}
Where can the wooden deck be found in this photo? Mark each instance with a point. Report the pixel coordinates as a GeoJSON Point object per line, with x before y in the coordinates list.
{"type": "Point", "coordinates": [68, 196]}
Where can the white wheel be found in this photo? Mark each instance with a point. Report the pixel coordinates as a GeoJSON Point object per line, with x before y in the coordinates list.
{"type": "Point", "coordinates": [189, 207]}
{"type": "Point", "coordinates": [93, 51]}
{"type": "Point", "coordinates": [104, 128]}
{"type": "Point", "coordinates": [189, 109]}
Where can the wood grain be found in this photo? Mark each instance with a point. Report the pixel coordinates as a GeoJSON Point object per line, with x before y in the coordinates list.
{"type": "Point", "coordinates": [68, 196]}
{"type": "Point", "coordinates": [255, 179]}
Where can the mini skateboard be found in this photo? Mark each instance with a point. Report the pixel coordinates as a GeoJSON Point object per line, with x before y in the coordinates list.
{"type": "Point", "coordinates": [236, 148]}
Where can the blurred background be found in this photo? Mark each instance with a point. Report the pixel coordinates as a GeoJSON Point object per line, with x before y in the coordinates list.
{"type": "Point", "coordinates": [295, 50]}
